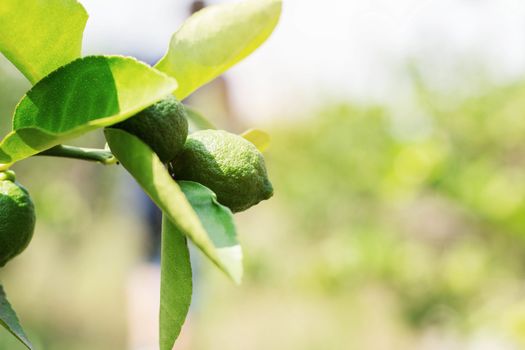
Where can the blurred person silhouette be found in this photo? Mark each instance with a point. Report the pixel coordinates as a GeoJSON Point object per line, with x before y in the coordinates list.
{"type": "Point", "coordinates": [213, 101]}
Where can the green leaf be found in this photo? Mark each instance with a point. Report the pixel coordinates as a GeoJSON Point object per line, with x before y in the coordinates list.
{"type": "Point", "coordinates": [198, 120]}
{"type": "Point", "coordinates": [40, 36]}
{"type": "Point", "coordinates": [216, 38]}
{"type": "Point", "coordinates": [144, 165]}
{"type": "Point", "coordinates": [87, 94]}
{"type": "Point", "coordinates": [9, 320]}
{"type": "Point", "coordinates": [259, 138]}
{"type": "Point", "coordinates": [218, 221]}
{"type": "Point", "coordinates": [175, 284]}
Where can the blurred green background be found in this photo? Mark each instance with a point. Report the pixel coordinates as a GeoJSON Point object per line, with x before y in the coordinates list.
{"type": "Point", "coordinates": [374, 239]}
{"type": "Point", "coordinates": [385, 232]}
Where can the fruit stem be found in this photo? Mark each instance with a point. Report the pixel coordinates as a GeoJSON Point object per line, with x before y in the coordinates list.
{"type": "Point", "coordinates": [90, 154]}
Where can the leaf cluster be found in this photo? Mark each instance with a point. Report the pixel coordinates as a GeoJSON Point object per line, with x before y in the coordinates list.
{"type": "Point", "coordinates": [72, 95]}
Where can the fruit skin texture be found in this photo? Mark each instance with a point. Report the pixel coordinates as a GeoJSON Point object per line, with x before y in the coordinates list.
{"type": "Point", "coordinates": [17, 220]}
{"type": "Point", "coordinates": [227, 164]}
{"type": "Point", "coordinates": [162, 126]}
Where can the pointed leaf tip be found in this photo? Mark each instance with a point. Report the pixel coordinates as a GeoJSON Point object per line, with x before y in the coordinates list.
{"type": "Point", "coordinates": [9, 320]}
{"type": "Point", "coordinates": [216, 38]}
{"type": "Point", "coordinates": [258, 138]}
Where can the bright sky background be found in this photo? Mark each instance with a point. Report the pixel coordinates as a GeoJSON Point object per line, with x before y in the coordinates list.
{"type": "Point", "coordinates": [352, 49]}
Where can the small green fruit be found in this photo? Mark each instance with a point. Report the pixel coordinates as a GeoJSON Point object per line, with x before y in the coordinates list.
{"type": "Point", "coordinates": [227, 164]}
{"type": "Point", "coordinates": [17, 219]}
{"type": "Point", "coordinates": [162, 126]}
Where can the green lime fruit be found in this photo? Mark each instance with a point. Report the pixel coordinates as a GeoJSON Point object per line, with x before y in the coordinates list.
{"type": "Point", "coordinates": [162, 126]}
{"type": "Point", "coordinates": [17, 218]}
{"type": "Point", "coordinates": [227, 164]}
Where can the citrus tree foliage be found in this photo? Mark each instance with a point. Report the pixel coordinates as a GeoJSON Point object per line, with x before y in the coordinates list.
{"type": "Point", "coordinates": [72, 95]}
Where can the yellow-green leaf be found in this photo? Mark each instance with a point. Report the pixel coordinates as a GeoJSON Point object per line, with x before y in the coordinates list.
{"type": "Point", "coordinates": [216, 38]}
{"type": "Point", "coordinates": [259, 138]}
{"type": "Point", "coordinates": [39, 36]}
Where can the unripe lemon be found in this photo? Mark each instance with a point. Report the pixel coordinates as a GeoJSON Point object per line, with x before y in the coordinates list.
{"type": "Point", "coordinates": [17, 218]}
{"type": "Point", "coordinates": [162, 126]}
{"type": "Point", "coordinates": [226, 163]}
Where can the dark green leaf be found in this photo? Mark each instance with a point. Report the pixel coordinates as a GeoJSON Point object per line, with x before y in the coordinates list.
{"type": "Point", "coordinates": [9, 320]}
{"type": "Point", "coordinates": [215, 217]}
{"type": "Point", "coordinates": [87, 94]}
{"type": "Point", "coordinates": [175, 283]}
